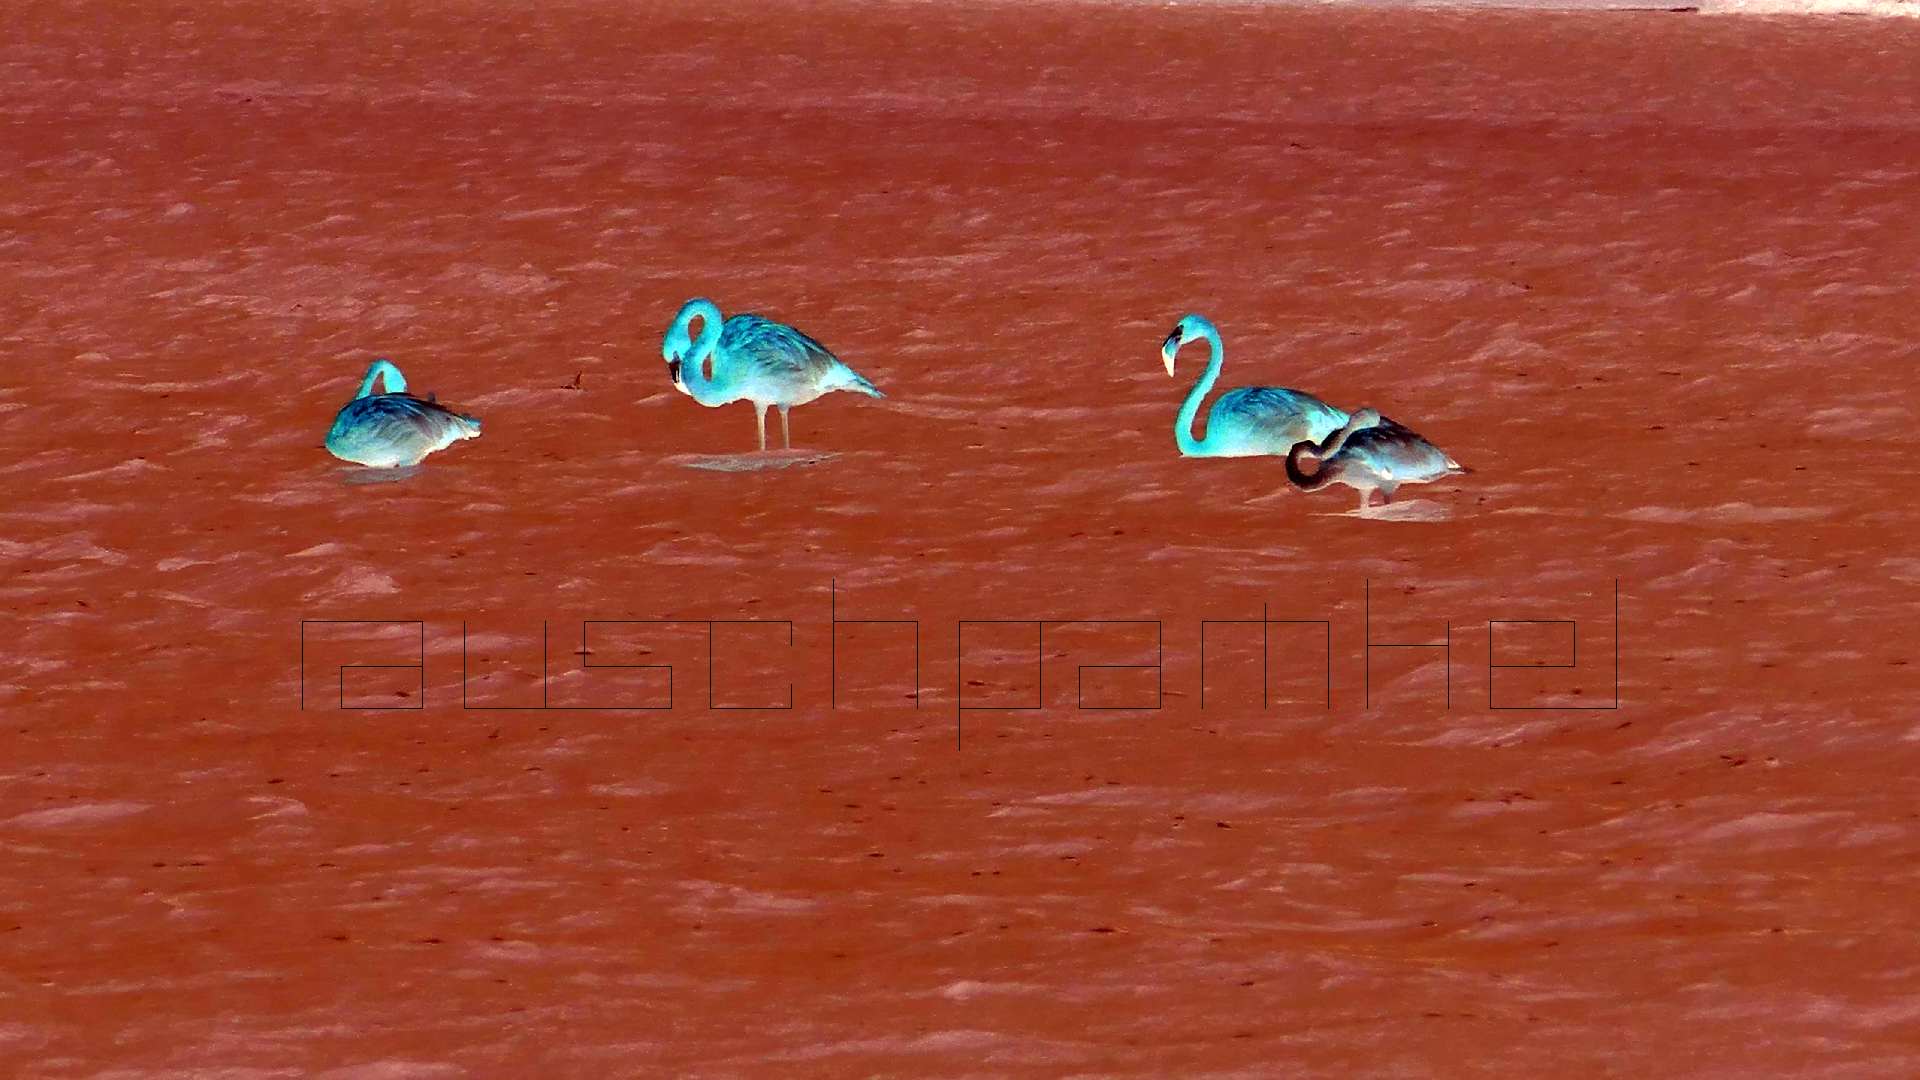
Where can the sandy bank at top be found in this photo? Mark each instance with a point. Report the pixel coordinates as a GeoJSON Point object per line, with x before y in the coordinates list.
{"type": "Point", "coordinates": [1892, 8]}
{"type": "Point", "coordinates": [1811, 7]}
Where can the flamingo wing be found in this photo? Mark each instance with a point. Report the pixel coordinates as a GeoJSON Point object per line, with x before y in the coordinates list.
{"type": "Point", "coordinates": [775, 349]}
{"type": "Point", "coordinates": [399, 427]}
{"type": "Point", "coordinates": [1396, 451]}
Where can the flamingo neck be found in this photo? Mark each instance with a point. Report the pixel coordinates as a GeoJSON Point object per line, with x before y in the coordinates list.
{"type": "Point", "coordinates": [392, 382]}
{"type": "Point", "coordinates": [695, 371]}
{"type": "Point", "coordinates": [1190, 410]}
{"type": "Point", "coordinates": [1334, 443]}
{"type": "Point", "coordinates": [1320, 478]}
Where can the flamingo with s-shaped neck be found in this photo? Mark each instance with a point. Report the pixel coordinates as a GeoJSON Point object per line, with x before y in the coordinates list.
{"type": "Point", "coordinates": [393, 428]}
{"type": "Point", "coordinates": [1249, 421]}
{"type": "Point", "coordinates": [755, 359]}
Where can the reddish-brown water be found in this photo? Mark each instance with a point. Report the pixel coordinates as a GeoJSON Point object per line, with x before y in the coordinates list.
{"type": "Point", "coordinates": [1650, 275]}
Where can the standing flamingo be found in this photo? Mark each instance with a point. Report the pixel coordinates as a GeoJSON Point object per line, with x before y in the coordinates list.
{"type": "Point", "coordinates": [753, 358]}
{"type": "Point", "coordinates": [1249, 421]}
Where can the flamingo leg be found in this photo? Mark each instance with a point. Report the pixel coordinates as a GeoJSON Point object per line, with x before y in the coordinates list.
{"type": "Point", "coordinates": [760, 423]}
{"type": "Point", "coordinates": [786, 434]}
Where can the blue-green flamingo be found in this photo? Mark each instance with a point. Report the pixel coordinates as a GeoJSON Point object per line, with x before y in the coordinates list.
{"type": "Point", "coordinates": [394, 428]}
{"type": "Point", "coordinates": [755, 359]}
{"type": "Point", "coordinates": [1250, 421]}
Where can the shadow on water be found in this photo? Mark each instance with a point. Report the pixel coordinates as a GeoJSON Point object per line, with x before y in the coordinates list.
{"type": "Point", "coordinates": [1411, 510]}
{"type": "Point", "coordinates": [753, 462]}
{"type": "Point", "coordinates": [1408, 510]}
{"type": "Point", "coordinates": [366, 475]}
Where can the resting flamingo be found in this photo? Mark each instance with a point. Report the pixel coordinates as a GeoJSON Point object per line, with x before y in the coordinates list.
{"type": "Point", "coordinates": [394, 428]}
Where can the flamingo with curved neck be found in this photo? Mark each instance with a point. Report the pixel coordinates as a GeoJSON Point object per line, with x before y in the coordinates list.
{"type": "Point", "coordinates": [392, 382]}
{"type": "Point", "coordinates": [1249, 421]}
{"type": "Point", "coordinates": [393, 428]}
{"type": "Point", "coordinates": [755, 359]}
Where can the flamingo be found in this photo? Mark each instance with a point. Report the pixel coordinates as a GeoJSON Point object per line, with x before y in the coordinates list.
{"type": "Point", "coordinates": [1371, 453]}
{"type": "Point", "coordinates": [394, 428]}
{"type": "Point", "coordinates": [757, 359]}
{"type": "Point", "coordinates": [1250, 421]}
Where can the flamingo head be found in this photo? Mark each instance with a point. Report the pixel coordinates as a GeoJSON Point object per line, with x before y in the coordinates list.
{"type": "Point", "coordinates": [674, 349]}
{"type": "Point", "coordinates": [679, 345]}
{"type": "Point", "coordinates": [1184, 331]}
{"type": "Point", "coordinates": [1169, 347]}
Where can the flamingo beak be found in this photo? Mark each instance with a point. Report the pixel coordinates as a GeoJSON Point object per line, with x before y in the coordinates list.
{"type": "Point", "coordinates": [1168, 348]}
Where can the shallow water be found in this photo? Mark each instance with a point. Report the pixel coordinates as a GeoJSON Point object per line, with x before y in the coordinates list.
{"type": "Point", "coordinates": [1650, 275]}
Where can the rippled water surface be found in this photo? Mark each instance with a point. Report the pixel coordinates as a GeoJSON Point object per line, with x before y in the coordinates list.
{"type": "Point", "coordinates": [1650, 275]}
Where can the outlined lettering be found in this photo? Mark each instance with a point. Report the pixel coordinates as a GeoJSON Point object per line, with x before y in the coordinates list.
{"type": "Point", "coordinates": [332, 639]}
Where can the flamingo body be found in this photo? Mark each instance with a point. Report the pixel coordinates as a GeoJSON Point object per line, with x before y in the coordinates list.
{"type": "Point", "coordinates": [754, 359]}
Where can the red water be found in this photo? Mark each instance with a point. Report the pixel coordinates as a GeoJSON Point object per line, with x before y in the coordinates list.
{"type": "Point", "coordinates": [1650, 275]}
